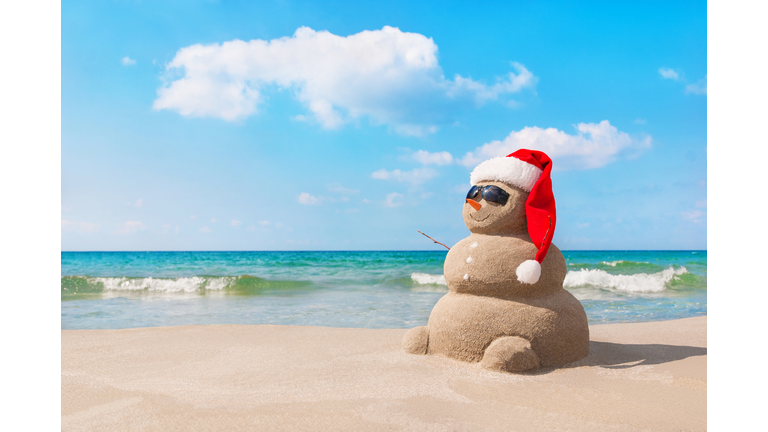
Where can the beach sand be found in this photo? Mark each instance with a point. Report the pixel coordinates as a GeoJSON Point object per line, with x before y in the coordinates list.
{"type": "Point", "coordinates": [641, 376]}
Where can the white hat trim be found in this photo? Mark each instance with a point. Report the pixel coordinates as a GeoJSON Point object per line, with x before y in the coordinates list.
{"type": "Point", "coordinates": [507, 169]}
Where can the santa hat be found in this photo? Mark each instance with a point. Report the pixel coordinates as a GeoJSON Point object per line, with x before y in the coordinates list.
{"type": "Point", "coordinates": [529, 170]}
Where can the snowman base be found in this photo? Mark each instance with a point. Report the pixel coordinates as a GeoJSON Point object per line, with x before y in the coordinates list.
{"type": "Point", "coordinates": [510, 354]}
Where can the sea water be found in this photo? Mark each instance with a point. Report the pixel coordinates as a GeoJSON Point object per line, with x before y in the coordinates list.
{"type": "Point", "coordinates": [109, 290]}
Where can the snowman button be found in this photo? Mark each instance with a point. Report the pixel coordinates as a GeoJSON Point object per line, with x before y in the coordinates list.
{"type": "Point", "coordinates": [469, 260]}
{"type": "Point", "coordinates": [473, 245]}
{"type": "Point", "coordinates": [466, 277]}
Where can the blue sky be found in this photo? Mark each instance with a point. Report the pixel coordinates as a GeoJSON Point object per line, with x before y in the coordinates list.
{"type": "Point", "coordinates": [347, 126]}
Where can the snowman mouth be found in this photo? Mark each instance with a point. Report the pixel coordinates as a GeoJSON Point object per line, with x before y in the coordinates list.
{"type": "Point", "coordinates": [479, 220]}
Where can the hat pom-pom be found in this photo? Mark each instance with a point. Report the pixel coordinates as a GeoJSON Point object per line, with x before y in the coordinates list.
{"type": "Point", "coordinates": [529, 272]}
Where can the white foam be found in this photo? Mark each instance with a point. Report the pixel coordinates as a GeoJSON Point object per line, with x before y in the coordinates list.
{"type": "Point", "coordinates": [185, 284]}
{"type": "Point", "coordinates": [640, 282]}
{"type": "Point", "coordinates": [428, 279]}
{"type": "Point", "coordinates": [612, 263]}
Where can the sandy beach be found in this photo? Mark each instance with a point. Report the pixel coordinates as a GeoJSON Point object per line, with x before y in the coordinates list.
{"type": "Point", "coordinates": [642, 376]}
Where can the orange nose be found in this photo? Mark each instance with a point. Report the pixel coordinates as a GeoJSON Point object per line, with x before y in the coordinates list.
{"type": "Point", "coordinates": [475, 205]}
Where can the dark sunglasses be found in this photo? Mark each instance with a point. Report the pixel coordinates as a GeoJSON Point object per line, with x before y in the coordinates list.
{"type": "Point", "coordinates": [489, 193]}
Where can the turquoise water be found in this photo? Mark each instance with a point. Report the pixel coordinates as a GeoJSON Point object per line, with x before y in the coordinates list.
{"type": "Point", "coordinates": [346, 289]}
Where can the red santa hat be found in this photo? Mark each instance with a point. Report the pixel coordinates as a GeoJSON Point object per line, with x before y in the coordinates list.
{"type": "Point", "coordinates": [529, 170]}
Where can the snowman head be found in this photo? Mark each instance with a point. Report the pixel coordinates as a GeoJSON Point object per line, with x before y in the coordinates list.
{"type": "Point", "coordinates": [494, 207]}
{"type": "Point", "coordinates": [512, 195]}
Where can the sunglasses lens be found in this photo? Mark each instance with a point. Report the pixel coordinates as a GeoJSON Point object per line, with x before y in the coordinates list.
{"type": "Point", "coordinates": [495, 194]}
{"type": "Point", "coordinates": [473, 192]}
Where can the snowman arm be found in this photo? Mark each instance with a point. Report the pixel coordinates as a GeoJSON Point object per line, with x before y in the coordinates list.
{"type": "Point", "coordinates": [433, 239]}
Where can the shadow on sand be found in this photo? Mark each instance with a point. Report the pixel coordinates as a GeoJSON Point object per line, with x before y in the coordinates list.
{"type": "Point", "coordinates": [623, 356]}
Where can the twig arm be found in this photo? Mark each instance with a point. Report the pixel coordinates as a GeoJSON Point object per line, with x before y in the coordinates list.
{"type": "Point", "coordinates": [433, 239]}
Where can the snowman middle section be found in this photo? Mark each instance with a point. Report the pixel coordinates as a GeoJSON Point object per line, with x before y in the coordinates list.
{"type": "Point", "coordinates": [486, 302]}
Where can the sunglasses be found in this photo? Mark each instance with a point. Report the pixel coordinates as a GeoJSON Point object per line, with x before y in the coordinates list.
{"type": "Point", "coordinates": [489, 193]}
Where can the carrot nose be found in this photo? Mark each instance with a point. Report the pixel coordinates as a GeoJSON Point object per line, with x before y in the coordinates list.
{"type": "Point", "coordinates": [475, 205]}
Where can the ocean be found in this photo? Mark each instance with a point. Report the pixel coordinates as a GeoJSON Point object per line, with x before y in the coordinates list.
{"type": "Point", "coordinates": [387, 289]}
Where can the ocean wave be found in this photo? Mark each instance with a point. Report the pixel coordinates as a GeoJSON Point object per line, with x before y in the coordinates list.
{"type": "Point", "coordinates": [639, 282]}
{"type": "Point", "coordinates": [428, 279]}
{"type": "Point", "coordinates": [73, 285]}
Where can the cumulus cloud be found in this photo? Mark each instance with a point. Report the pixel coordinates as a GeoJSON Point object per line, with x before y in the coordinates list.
{"type": "Point", "coordinates": [668, 73]}
{"type": "Point", "coordinates": [390, 201]}
{"type": "Point", "coordinates": [389, 76]}
{"type": "Point", "coordinates": [130, 227]}
{"type": "Point", "coordinates": [694, 216]}
{"type": "Point", "coordinates": [127, 61]}
{"type": "Point", "coordinates": [594, 145]}
{"type": "Point", "coordinates": [235, 223]}
{"type": "Point", "coordinates": [338, 188]}
{"type": "Point", "coordinates": [307, 199]}
{"type": "Point", "coordinates": [414, 177]}
{"type": "Point", "coordinates": [205, 230]}
{"type": "Point", "coordinates": [82, 227]}
{"type": "Point", "coordinates": [699, 87]}
{"type": "Point", "coordinates": [437, 158]}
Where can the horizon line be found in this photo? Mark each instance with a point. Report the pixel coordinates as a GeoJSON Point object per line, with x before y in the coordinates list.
{"type": "Point", "coordinates": [375, 250]}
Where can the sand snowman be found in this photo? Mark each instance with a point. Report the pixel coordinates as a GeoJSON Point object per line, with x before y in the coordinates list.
{"type": "Point", "coordinates": [506, 307]}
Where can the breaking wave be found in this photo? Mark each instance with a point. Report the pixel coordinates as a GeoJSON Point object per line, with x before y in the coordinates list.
{"type": "Point", "coordinates": [73, 285]}
{"type": "Point", "coordinates": [428, 279]}
{"type": "Point", "coordinates": [638, 283]}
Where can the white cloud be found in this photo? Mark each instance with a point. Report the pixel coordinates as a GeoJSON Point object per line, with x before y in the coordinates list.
{"type": "Point", "coordinates": [307, 199]}
{"type": "Point", "coordinates": [593, 146]}
{"type": "Point", "coordinates": [213, 220]}
{"type": "Point", "coordinates": [693, 215]}
{"type": "Point", "coordinates": [668, 73]}
{"type": "Point", "coordinates": [390, 201]}
{"type": "Point", "coordinates": [205, 230]}
{"type": "Point", "coordinates": [167, 229]}
{"type": "Point", "coordinates": [437, 158]}
{"type": "Point", "coordinates": [130, 227]}
{"type": "Point", "coordinates": [82, 227]}
{"type": "Point", "coordinates": [193, 217]}
{"type": "Point", "coordinates": [338, 188]}
{"type": "Point", "coordinates": [139, 203]}
{"type": "Point", "coordinates": [414, 177]}
{"type": "Point", "coordinates": [265, 222]}
{"type": "Point", "coordinates": [389, 76]}
{"type": "Point", "coordinates": [127, 61]}
{"type": "Point", "coordinates": [235, 223]}
{"type": "Point", "coordinates": [699, 87]}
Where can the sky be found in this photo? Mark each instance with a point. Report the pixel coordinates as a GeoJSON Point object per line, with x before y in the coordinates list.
{"type": "Point", "coordinates": [200, 125]}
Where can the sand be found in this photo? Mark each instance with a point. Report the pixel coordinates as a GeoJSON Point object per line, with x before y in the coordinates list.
{"type": "Point", "coordinates": [643, 376]}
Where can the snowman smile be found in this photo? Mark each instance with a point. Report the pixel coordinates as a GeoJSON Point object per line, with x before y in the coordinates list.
{"type": "Point", "coordinates": [479, 220]}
